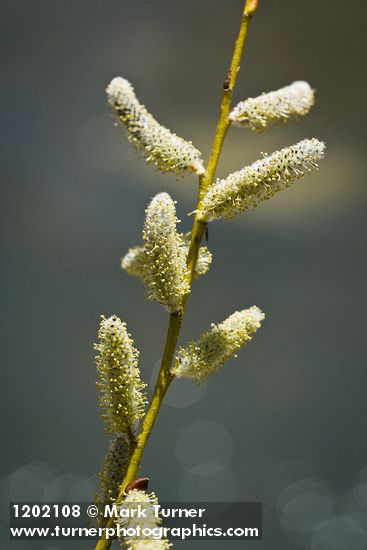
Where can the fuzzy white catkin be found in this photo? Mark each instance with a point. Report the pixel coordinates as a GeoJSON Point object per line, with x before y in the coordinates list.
{"type": "Point", "coordinates": [204, 259]}
{"type": "Point", "coordinates": [122, 393]}
{"type": "Point", "coordinates": [159, 145]}
{"type": "Point", "coordinates": [150, 522]}
{"type": "Point", "coordinates": [134, 261]}
{"type": "Point", "coordinates": [166, 274]}
{"type": "Point", "coordinates": [253, 184]}
{"type": "Point", "coordinates": [209, 353]}
{"type": "Point", "coordinates": [259, 113]}
{"type": "Point", "coordinates": [112, 473]}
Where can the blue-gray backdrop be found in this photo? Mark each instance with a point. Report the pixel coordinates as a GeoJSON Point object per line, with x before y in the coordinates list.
{"type": "Point", "coordinates": [285, 423]}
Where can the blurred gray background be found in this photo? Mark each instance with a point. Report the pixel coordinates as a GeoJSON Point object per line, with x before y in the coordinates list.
{"type": "Point", "coordinates": [285, 423]}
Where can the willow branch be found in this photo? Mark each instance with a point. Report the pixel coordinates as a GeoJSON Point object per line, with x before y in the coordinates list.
{"type": "Point", "coordinates": [205, 181]}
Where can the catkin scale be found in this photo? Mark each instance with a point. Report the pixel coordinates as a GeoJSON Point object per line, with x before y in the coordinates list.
{"type": "Point", "coordinates": [272, 108]}
{"type": "Point", "coordinates": [141, 483]}
{"type": "Point", "coordinates": [160, 146]}
{"type": "Point", "coordinates": [253, 184]}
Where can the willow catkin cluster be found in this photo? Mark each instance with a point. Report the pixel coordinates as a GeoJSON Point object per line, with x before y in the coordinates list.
{"type": "Point", "coordinates": [122, 393]}
{"type": "Point", "coordinates": [209, 353]}
{"type": "Point", "coordinates": [166, 274]}
{"type": "Point", "coordinates": [159, 145]}
{"type": "Point", "coordinates": [259, 113]}
{"type": "Point", "coordinates": [253, 184]}
{"type": "Point", "coordinates": [134, 261]}
{"type": "Point", "coordinates": [151, 522]}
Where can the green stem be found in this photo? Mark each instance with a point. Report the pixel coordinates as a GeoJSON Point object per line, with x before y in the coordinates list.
{"type": "Point", "coordinates": [164, 377]}
{"type": "Point", "coordinates": [223, 124]}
